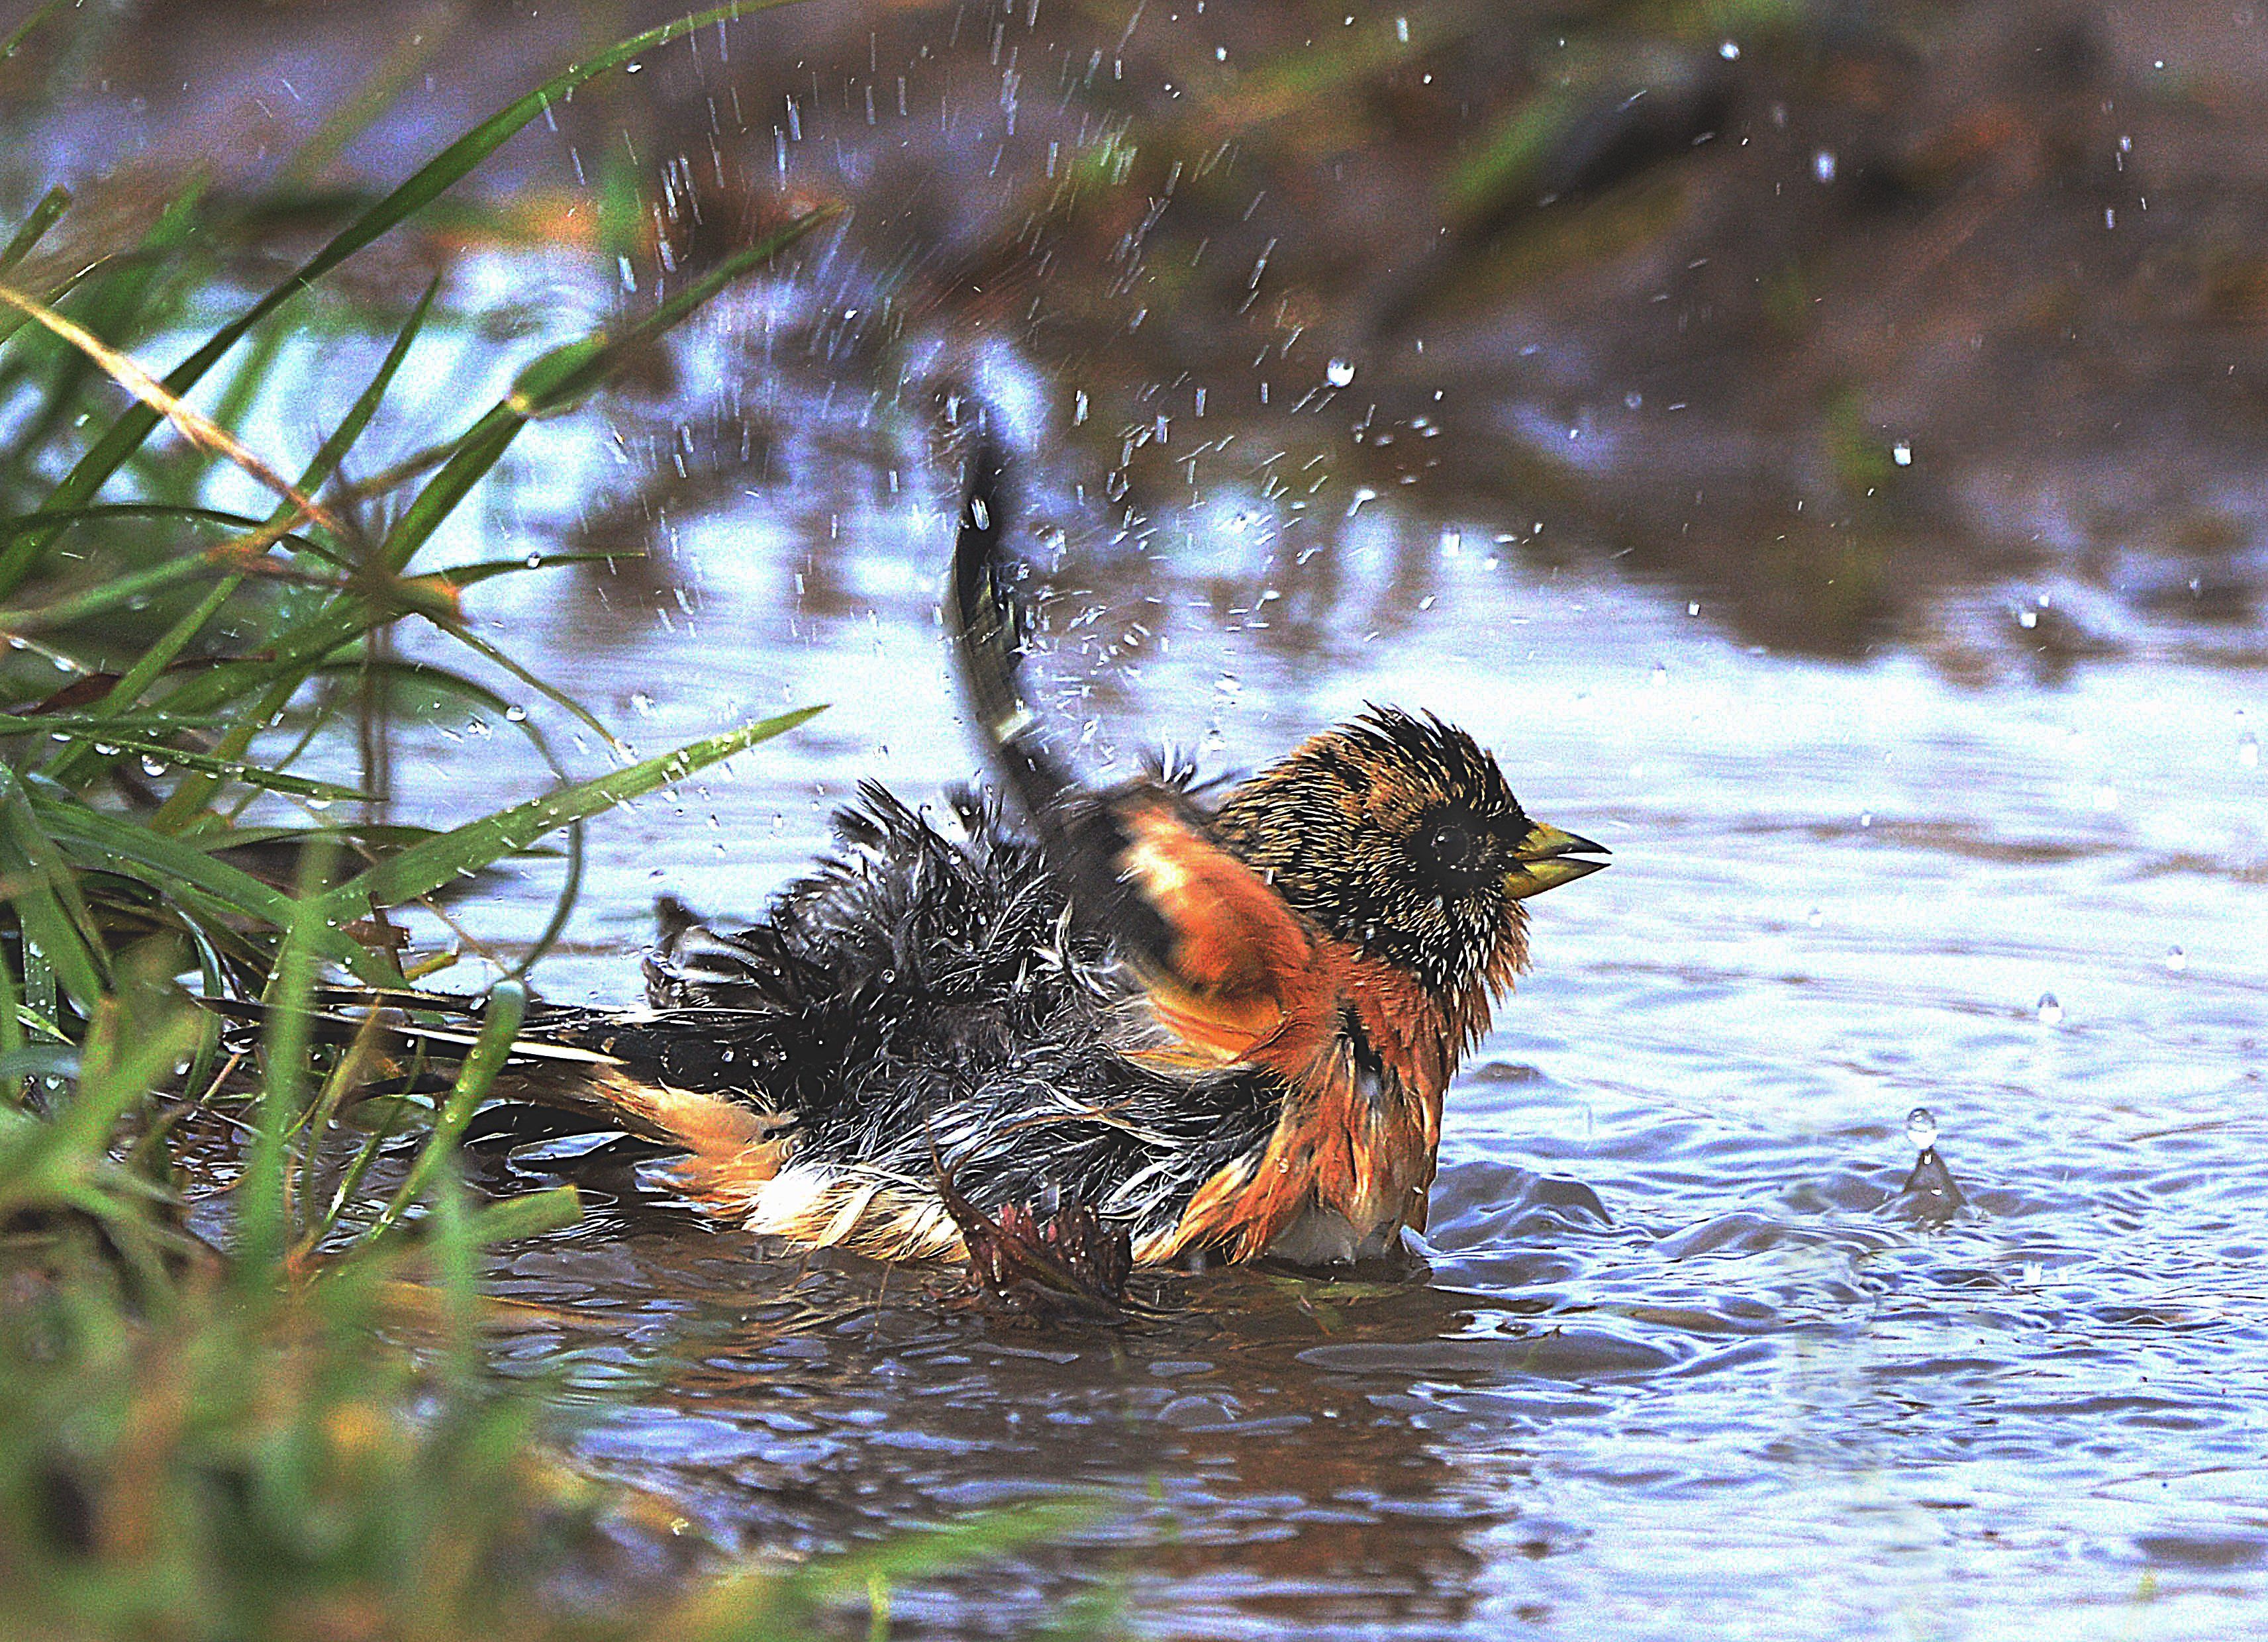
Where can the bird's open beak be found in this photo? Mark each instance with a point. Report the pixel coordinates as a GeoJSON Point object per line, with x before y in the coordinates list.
{"type": "Point", "coordinates": [1548, 858]}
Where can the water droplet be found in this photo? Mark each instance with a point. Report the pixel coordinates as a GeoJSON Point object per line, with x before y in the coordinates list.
{"type": "Point", "coordinates": [1402, 29]}
{"type": "Point", "coordinates": [515, 715]}
{"type": "Point", "coordinates": [2176, 960]}
{"type": "Point", "coordinates": [1693, 608]}
{"type": "Point", "coordinates": [1823, 164]}
{"type": "Point", "coordinates": [534, 561]}
{"type": "Point", "coordinates": [1901, 453]}
{"type": "Point", "coordinates": [154, 766]}
{"type": "Point", "coordinates": [2050, 1010]}
{"type": "Point", "coordinates": [1815, 917]}
{"type": "Point", "coordinates": [2248, 750]}
{"type": "Point", "coordinates": [1921, 1128]}
{"type": "Point", "coordinates": [642, 704]}
{"type": "Point", "coordinates": [1339, 373]}
{"type": "Point", "coordinates": [1730, 51]}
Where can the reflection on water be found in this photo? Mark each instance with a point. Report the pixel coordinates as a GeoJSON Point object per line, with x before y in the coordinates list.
{"type": "Point", "coordinates": [1846, 319]}
{"type": "Point", "coordinates": [1715, 1333]}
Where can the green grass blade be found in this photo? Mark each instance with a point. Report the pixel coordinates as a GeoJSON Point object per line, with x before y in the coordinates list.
{"type": "Point", "coordinates": [459, 853]}
{"type": "Point", "coordinates": [152, 721]}
{"type": "Point", "coordinates": [97, 513]}
{"type": "Point", "coordinates": [531, 1214]}
{"type": "Point", "coordinates": [53, 917]}
{"type": "Point", "coordinates": [123, 1061]}
{"type": "Point", "coordinates": [24, 29]}
{"type": "Point", "coordinates": [12, 1041]}
{"type": "Point", "coordinates": [500, 1026]}
{"type": "Point", "coordinates": [218, 769]}
{"type": "Point", "coordinates": [428, 183]}
{"type": "Point", "coordinates": [51, 205]}
{"type": "Point", "coordinates": [119, 293]}
{"type": "Point", "coordinates": [264, 1194]}
{"type": "Point", "coordinates": [170, 866]}
{"type": "Point", "coordinates": [191, 796]}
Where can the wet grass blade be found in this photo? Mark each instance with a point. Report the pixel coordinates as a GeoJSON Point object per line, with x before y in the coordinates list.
{"type": "Point", "coordinates": [264, 1194]}
{"type": "Point", "coordinates": [191, 423]}
{"type": "Point", "coordinates": [428, 183]}
{"type": "Point", "coordinates": [425, 867]}
{"type": "Point", "coordinates": [53, 918]}
{"type": "Point", "coordinates": [183, 871]}
{"type": "Point", "coordinates": [190, 795]}
{"type": "Point", "coordinates": [102, 512]}
{"type": "Point", "coordinates": [500, 1026]}
{"type": "Point", "coordinates": [221, 769]}
{"type": "Point", "coordinates": [118, 295]}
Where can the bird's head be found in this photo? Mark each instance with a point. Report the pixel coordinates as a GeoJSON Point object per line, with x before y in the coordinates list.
{"type": "Point", "coordinates": [1399, 836]}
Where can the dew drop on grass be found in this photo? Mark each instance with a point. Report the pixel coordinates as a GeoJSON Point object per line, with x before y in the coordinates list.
{"type": "Point", "coordinates": [2176, 960]}
{"type": "Point", "coordinates": [2050, 1010]}
{"type": "Point", "coordinates": [1339, 373]}
{"type": "Point", "coordinates": [1921, 1128]}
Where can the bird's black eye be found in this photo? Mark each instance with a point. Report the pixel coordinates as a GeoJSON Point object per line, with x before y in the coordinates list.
{"type": "Point", "coordinates": [1449, 850]}
{"type": "Point", "coordinates": [1449, 844]}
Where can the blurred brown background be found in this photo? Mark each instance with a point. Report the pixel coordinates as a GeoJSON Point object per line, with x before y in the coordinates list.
{"type": "Point", "coordinates": [1863, 323]}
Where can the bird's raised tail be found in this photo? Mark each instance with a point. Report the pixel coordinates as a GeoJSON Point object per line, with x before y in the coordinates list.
{"type": "Point", "coordinates": [1216, 948]}
{"type": "Point", "coordinates": [610, 1065]}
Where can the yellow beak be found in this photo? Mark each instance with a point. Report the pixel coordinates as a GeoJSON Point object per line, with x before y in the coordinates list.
{"type": "Point", "coordinates": [1548, 858]}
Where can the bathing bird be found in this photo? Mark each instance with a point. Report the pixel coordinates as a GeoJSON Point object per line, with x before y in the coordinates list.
{"type": "Point", "coordinates": [1223, 1027]}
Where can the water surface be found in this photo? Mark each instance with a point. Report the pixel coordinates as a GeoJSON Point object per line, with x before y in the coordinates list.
{"type": "Point", "coordinates": [1677, 1360]}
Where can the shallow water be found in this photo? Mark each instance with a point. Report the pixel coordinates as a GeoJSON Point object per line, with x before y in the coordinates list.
{"type": "Point", "coordinates": [1679, 1360]}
